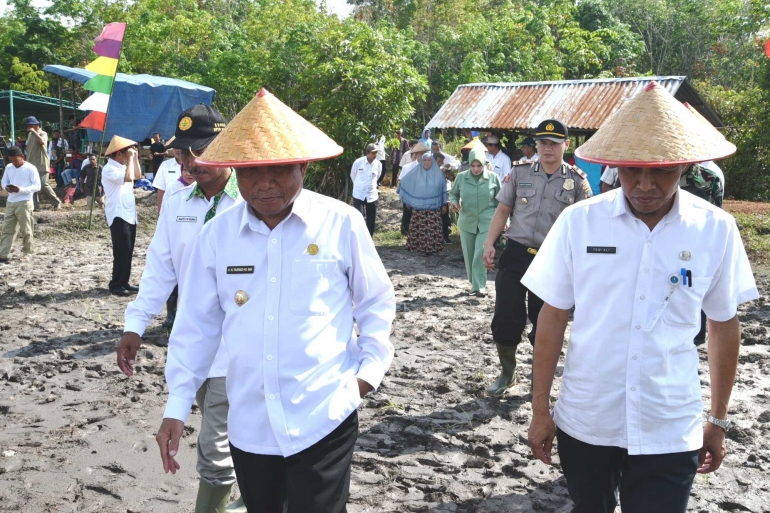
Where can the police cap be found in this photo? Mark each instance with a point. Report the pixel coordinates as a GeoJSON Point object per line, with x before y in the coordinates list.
{"type": "Point", "coordinates": [552, 130]}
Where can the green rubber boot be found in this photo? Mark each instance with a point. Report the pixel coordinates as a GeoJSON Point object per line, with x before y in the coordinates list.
{"type": "Point", "coordinates": [507, 376]}
{"type": "Point", "coordinates": [237, 507]}
{"type": "Point", "coordinates": [212, 499]}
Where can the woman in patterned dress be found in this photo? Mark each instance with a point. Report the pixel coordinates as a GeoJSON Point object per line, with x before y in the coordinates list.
{"type": "Point", "coordinates": [424, 192]}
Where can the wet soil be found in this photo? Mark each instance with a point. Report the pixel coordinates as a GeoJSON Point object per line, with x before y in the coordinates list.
{"type": "Point", "coordinates": [77, 435]}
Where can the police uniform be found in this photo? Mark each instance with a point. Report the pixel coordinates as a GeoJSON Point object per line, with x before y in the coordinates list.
{"type": "Point", "coordinates": [536, 201]}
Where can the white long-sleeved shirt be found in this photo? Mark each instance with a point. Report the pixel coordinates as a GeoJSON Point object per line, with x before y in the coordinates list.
{"type": "Point", "coordinates": [26, 178]}
{"type": "Point", "coordinates": [292, 375]}
{"type": "Point", "coordinates": [364, 175]}
{"type": "Point", "coordinates": [118, 193]}
{"type": "Point", "coordinates": [631, 375]}
{"type": "Point", "coordinates": [181, 220]}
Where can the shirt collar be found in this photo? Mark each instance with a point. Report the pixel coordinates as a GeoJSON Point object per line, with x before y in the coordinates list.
{"type": "Point", "coordinates": [231, 188]}
{"type": "Point", "coordinates": [682, 207]}
{"type": "Point", "coordinates": [300, 208]}
{"type": "Point", "coordinates": [115, 163]}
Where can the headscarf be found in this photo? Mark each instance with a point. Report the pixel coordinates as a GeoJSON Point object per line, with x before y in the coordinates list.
{"type": "Point", "coordinates": [478, 152]}
{"type": "Point", "coordinates": [427, 141]}
{"type": "Point", "coordinates": [424, 189]}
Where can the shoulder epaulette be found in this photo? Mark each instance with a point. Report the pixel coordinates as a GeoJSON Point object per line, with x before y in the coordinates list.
{"type": "Point", "coordinates": [579, 171]}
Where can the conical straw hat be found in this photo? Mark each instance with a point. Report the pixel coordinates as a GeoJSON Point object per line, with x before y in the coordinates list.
{"type": "Point", "coordinates": [417, 148]}
{"type": "Point", "coordinates": [267, 132]}
{"type": "Point", "coordinates": [700, 116]}
{"type": "Point", "coordinates": [653, 129]}
{"type": "Point", "coordinates": [118, 143]}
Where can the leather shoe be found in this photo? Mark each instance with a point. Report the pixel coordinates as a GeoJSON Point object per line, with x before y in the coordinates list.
{"type": "Point", "coordinates": [131, 288]}
{"type": "Point", "coordinates": [120, 291]}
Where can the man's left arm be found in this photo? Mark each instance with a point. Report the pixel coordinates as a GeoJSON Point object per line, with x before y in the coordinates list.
{"type": "Point", "coordinates": [374, 306]}
{"type": "Point", "coordinates": [724, 345]}
{"type": "Point", "coordinates": [34, 187]}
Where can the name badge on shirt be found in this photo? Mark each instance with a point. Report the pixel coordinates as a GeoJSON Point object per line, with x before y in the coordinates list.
{"type": "Point", "coordinates": [602, 250]}
{"type": "Point", "coordinates": [240, 269]}
{"type": "Point", "coordinates": [186, 219]}
{"type": "Point", "coordinates": [525, 184]}
{"type": "Point", "coordinates": [170, 171]}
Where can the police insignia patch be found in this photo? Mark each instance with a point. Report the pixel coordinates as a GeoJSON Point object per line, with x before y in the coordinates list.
{"type": "Point", "coordinates": [185, 123]}
{"type": "Point", "coordinates": [569, 184]}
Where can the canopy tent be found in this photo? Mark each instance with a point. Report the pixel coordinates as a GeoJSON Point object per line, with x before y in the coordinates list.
{"type": "Point", "coordinates": [142, 104]}
{"type": "Point", "coordinates": [16, 105]}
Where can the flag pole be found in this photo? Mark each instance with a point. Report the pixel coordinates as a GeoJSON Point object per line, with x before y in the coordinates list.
{"type": "Point", "coordinates": [101, 143]}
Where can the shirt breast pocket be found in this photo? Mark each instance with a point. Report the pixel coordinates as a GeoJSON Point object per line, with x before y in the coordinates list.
{"type": "Point", "coordinates": [685, 304]}
{"type": "Point", "coordinates": [525, 199]}
{"type": "Point", "coordinates": [311, 287]}
{"type": "Point", "coordinates": [565, 196]}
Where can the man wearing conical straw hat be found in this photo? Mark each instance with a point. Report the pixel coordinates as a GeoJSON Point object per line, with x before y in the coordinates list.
{"type": "Point", "coordinates": [638, 264]}
{"type": "Point", "coordinates": [183, 214]}
{"type": "Point", "coordinates": [281, 278]}
{"type": "Point", "coordinates": [118, 176]}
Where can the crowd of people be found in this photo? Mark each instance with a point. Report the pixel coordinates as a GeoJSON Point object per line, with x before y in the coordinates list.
{"type": "Point", "coordinates": [285, 308]}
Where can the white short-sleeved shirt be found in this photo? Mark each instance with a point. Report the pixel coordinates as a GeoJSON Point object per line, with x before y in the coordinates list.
{"type": "Point", "coordinates": [610, 176]}
{"type": "Point", "coordinates": [364, 175]}
{"type": "Point", "coordinates": [168, 172]}
{"type": "Point", "coordinates": [501, 164]}
{"type": "Point", "coordinates": [118, 194]}
{"type": "Point", "coordinates": [631, 373]}
{"type": "Point", "coordinates": [284, 301]}
{"type": "Point", "coordinates": [181, 220]}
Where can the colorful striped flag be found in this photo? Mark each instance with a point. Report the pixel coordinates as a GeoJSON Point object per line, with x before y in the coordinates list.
{"type": "Point", "coordinates": [107, 46]}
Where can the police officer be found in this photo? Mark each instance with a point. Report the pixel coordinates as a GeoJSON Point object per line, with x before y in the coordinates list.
{"type": "Point", "coordinates": [532, 197]}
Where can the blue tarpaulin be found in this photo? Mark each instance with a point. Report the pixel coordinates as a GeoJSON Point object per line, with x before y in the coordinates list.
{"type": "Point", "coordinates": [594, 172]}
{"type": "Point", "coordinates": [142, 104]}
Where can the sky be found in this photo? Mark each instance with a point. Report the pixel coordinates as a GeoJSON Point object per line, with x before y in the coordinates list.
{"type": "Point", "coordinates": [339, 7]}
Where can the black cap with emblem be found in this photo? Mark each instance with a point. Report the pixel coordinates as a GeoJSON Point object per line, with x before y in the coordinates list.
{"type": "Point", "coordinates": [197, 127]}
{"type": "Point", "coordinates": [552, 130]}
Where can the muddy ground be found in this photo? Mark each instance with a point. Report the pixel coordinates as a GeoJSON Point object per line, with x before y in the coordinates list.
{"type": "Point", "coordinates": [76, 435]}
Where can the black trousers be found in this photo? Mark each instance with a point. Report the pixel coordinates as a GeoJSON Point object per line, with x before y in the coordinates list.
{"type": "Point", "coordinates": [316, 480]}
{"type": "Point", "coordinates": [406, 216]}
{"type": "Point", "coordinates": [382, 172]}
{"type": "Point", "coordinates": [595, 474]}
{"type": "Point", "coordinates": [446, 223]}
{"type": "Point", "coordinates": [514, 301]}
{"type": "Point", "coordinates": [394, 174]}
{"type": "Point", "coordinates": [123, 237]}
{"type": "Point", "coordinates": [369, 211]}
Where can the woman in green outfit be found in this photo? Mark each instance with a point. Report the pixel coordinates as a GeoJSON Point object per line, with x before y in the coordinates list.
{"type": "Point", "coordinates": [473, 195]}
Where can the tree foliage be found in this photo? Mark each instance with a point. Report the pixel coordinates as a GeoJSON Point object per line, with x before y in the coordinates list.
{"type": "Point", "coordinates": [393, 63]}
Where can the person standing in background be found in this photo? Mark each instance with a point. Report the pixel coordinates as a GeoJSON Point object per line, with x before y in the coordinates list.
{"type": "Point", "coordinates": [37, 155]}
{"type": "Point", "coordinates": [364, 173]}
{"type": "Point", "coordinates": [20, 180]}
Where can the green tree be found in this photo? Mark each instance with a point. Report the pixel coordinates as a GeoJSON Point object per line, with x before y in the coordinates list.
{"type": "Point", "coordinates": [26, 77]}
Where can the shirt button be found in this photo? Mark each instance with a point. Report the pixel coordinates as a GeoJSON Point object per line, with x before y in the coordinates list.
{"type": "Point", "coordinates": [273, 397]}
{"type": "Point", "coordinates": [270, 357]}
{"type": "Point", "coordinates": [272, 279]}
{"type": "Point", "coordinates": [633, 357]}
{"type": "Point", "coordinates": [271, 318]}
{"type": "Point", "coordinates": [273, 241]}
{"type": "Point", "coordinates": [646, 270]}
{"type": "Point", "coordinates": [633, 389]}
{"type": "Point", "coordinates": [649, 242]}
{"type": "Point", "coordinates": [637, 327]}
{"type": "Point", "coordinates": [642, 298]}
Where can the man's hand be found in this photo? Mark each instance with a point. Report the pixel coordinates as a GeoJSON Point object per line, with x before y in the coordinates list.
{"type": "Point", "coordinates": [454, 207]}
{"type": "Point", "coordinates": [714, 449]}
{"type": "Point", "coordinates": [443, 210]}
{"type": "Point", "coordinates": [133, 152]}
{"type": "Point", "coordinates": [126, 351]}
{"type": "Point", "coordinates": [363, 387]}
{"type": "Point", "coordinates": [11, 188]}
{"type": "Point", "coordinates": [489, 257]}
{"type": "Point", "coordinates": [542, 431]}
{"type": "Point", "coordinates": [168, 442]}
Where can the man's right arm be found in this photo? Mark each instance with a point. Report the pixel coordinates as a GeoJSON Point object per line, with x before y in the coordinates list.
{"type": "Point", "coordinates": [502, 214]}
{"type": "Point", "coordinates": [158, 281]}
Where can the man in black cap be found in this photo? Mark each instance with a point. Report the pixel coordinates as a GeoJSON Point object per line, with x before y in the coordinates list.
{"type": "Point", "coordinates": [528, 149]}
{"type": "Point", "coordinates": [532, 197]}
{"type": "Point", "coordinates": [37, 155]}
{"type": "Point", "coordinates": [182, 217]}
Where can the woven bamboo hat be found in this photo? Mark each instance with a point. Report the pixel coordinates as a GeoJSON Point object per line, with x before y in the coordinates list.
{"type": "Point", "coordinates": [700, 116]}
{"type": "Point", "coordinates": [268, 133]}
{"type": "Point", "coordinates": [653, 129]}
{"type": "Point", "coordinates": [118, 143]}
{"type": "Point", "coordinates": [417, 148]}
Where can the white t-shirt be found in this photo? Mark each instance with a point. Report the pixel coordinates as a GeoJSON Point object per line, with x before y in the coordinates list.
{"type": "Point", "coordinates": [26, 178]}
{"type": "Point", "coordinates": [118, 193]}
{"type": "Point", "coordinates": [168, 172]}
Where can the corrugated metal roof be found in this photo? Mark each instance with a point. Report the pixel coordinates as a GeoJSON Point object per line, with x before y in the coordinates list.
{"type": "Point", "coordinates": [580, 104]}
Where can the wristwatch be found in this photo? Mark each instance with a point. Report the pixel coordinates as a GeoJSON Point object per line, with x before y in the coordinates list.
{"type": "Point", "coordinates": [724, 424]}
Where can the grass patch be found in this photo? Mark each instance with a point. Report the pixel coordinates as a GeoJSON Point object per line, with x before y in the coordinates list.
{"type": "Point", "coordinates": [390, 238]}
{"type": "Point", "coordinates": [755, 232]}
